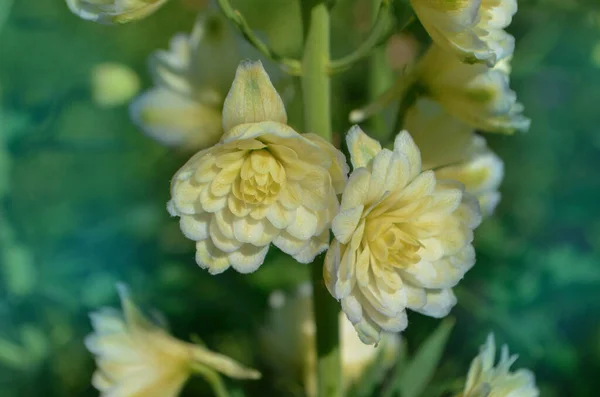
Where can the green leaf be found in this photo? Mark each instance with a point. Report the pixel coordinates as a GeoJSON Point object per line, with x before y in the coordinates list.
{"type": "Point", "coordinates": [412, 380]}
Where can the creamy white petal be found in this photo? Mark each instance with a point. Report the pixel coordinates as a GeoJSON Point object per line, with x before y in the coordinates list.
{"type": "Point", "coordinates": [362, 148]}
{"type": "Point", "coordinates": [248, 258]}
{"type": "Point", "coordinates": [439, 303]}
{"type": "Point", "coordinates": [195, 227]}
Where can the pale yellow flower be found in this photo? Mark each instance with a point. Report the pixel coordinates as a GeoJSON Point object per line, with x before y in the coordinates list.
{"type": "Point", "coordinates": [402, 238]}
{"type": "Point", "coordinates": [289, 343]}
{"type": "Point", "coordinates": [113, 84]}
{"type": "Point", "coordinates": [487, 379]}
{"type": "Point", "coordinates": [137, 358]}
{"type": "Point", "coordinates": [453, 150]}
{"type": "Point", "coordinates": [114, 11]}
{"type": "Point", "coordinates": [472, 29]}
{"type": "Point", "coordinates": [262, 183]}
{"type": "Point", "coordinates": [191, 80]}
{"type": "Point", "coordinates": [475, 94]}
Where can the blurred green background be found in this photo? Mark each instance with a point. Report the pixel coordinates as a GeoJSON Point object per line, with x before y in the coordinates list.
{"type": "Point", "coordinates": [83, 193]}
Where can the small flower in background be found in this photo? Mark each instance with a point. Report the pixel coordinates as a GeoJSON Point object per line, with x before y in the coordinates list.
{"type": "Point", "coordinates": [114, 11]}
{"type": "Point", "coordinates": [402, 238]}
{"type": "Point", "coordinates": [137, 358]}
{"type": "Point", "coordinates": [473, 30]}
{"type": "Point", "coordinates": [488, 380]}
{"type": "Point", "coordinates": [288, 341]}
{"type": "Point", "coordinates": [475, 94]}
{"type": "Point", "coordinates": [191, 79]}
{"type": "Point", "coordinates": [453, 150]}
{"type": "Point", "coordinates": [262, 183]}
{"type": "Point", "coordinates": [113, 84]}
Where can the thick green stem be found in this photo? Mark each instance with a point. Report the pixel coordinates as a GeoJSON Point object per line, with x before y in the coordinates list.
{"type": "Point", "coordinates": [380, 78]}
{"type": "Point", "coordinates": [316, 85]}
{"type": "Point", "coordinates": [316, 88]}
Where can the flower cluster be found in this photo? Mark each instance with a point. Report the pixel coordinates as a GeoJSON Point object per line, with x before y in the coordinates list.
{"type": "Point", "coordinates": [467, 68]}
{"type": "Point", "coordinates": [473, 87]}
{"type": "Point", "coordinates": [136, 357]}
{"type": "Point", "coordinates": [262, 183]}
{"type": "Point", "coordinates": [486, 379]}
{"type": "Point", "coordinates": [402, 238]}
{"type": "Point", "coordinates": [402, 233]}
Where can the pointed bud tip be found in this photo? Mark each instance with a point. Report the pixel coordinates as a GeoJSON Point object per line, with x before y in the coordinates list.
{"type": "Point", "coordinates": [252, 98]}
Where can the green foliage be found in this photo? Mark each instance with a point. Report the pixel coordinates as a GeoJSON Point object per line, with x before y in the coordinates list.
{"type": "Point", "coordinates": [411, 379]}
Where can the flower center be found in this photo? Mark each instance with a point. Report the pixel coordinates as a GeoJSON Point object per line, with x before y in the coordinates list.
{"type": "Point", "coordinates": [261, 178]}
{"type": "Point", "coordinates": [393, 244]}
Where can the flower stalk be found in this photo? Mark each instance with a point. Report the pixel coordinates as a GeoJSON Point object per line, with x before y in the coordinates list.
{"type": "Point", "coordinates": [289, 65]}
{"type": "Point", "coordinates": [316, 88]}
{"type": "Point", "coordinates": [381, 30]}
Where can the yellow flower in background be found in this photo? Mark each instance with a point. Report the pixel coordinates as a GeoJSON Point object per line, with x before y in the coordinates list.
{"type": "Point", "coordinates": [402, 238]}
{"type": "Point", "coordinates": [114, 11]}
{"type": "Point", "coordinates": [113, 84]}
{"type": "Point", "coordinates": [455, 152]}
{"type": "Point", "coordinates": [288, 341]}
{"type": "Point", "coordinates": [473, 30]}
{"type": "Point", "coordinates": [475, 94]}
{"type": "Point", "coordinates": [487, 379]}
{"type": "Point", "coordinates": [191, 79]}
{"type": "Point", "coordinates": [137, 358]}
{"type": "Point", "coordinates": [262, 183]}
